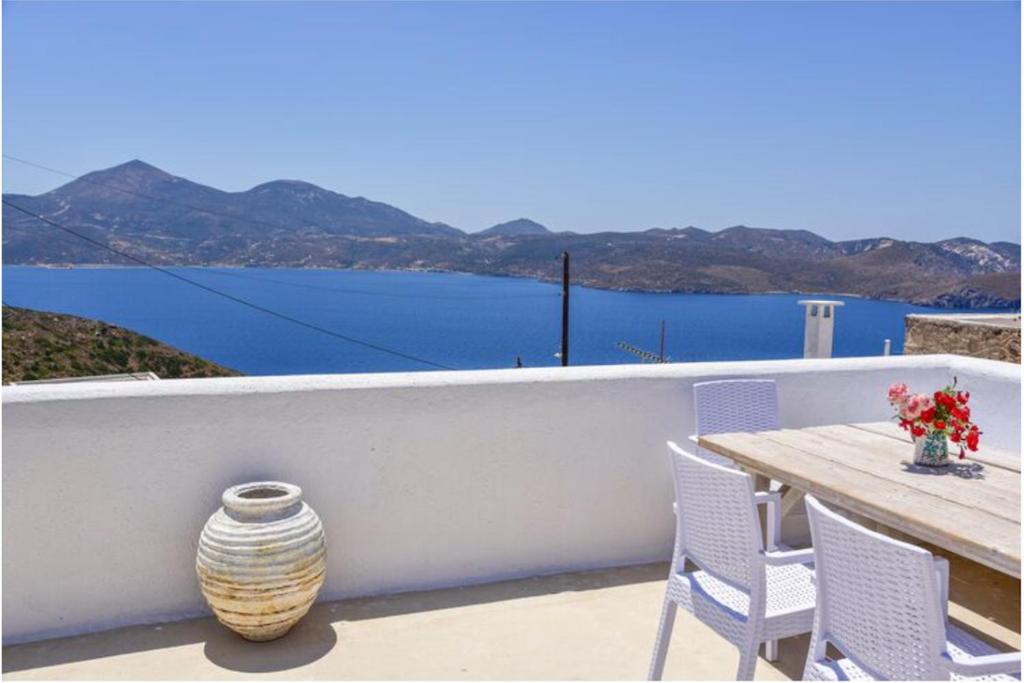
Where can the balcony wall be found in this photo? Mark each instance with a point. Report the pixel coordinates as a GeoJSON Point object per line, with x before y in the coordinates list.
{"type": "Point", "coordinates": [422, 480]}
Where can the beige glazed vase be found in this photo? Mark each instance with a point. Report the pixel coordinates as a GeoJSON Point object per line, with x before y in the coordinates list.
{"type": "Point", "coordinates": [262, 559]}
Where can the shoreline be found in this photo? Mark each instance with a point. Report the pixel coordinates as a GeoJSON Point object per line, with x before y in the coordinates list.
{"type": "Point", "coordinates": [624, 290]}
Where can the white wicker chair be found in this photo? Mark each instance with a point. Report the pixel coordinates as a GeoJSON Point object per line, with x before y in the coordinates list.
{"type": "Point", "coordinates": [882, 603]}
{"type": "Point", "coordinates": [745, 594]}
{"type": "Point", "coordinates": [734, 405]}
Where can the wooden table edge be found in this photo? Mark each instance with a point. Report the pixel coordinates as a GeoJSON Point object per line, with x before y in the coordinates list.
{"type": "Point", "coordinates": [977, 552]}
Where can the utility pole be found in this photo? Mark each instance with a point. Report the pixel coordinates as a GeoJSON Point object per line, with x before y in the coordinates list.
{"type": "Point", "coordinates": [661, 353]}
{"type": "Point", "coordinates": [565, 309]}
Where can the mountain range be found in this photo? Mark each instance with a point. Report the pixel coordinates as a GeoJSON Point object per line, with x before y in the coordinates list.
{"type": "Point", "coordinates": [168, 220]}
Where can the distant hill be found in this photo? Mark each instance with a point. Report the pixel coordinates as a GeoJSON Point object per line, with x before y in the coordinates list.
{"type": "Point", "coordinates": [172, 219]}
{"type": "Point", "coordinates": [41, 345]}
{"type": "Point", "coordinates": [520, 226]}
{"type": "Point", "coordinates": [169, 220]}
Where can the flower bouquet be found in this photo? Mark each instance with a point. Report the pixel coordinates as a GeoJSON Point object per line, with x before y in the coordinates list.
{"type": "Point", "coordinates": [933, 421]}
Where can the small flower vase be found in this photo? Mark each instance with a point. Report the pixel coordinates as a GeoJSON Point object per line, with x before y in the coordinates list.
{"type": "Point", "coordinates": [931, 450]}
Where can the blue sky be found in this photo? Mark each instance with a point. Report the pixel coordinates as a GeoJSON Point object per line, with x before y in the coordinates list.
{"type": "Point", "coordinates": [849, 119]}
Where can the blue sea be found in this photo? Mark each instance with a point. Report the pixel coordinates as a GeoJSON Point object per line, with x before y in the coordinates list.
{"type": "Point", "coordinates": [455, 320]}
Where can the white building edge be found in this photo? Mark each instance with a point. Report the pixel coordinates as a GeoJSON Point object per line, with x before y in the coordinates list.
{"type": "Point", "coordinates": [423, 480]}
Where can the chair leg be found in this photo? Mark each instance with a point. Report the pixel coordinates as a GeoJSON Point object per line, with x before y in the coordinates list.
{"type": "Point", "coordinates": [771, 650]}
{"type": "Point", "coordinates": [748, 662]}
{"type": "Point", "coordinates": [668, 618]}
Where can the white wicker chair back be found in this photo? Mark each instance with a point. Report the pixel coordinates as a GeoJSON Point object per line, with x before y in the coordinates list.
{"type": "Point", "coordinates": [719, 528]}
{"type": "Point", "coordinates": [734, 405]}
{"type": "Point", "coordinates": [877, 600]}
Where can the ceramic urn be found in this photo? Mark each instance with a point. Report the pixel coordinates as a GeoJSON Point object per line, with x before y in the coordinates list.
{"type": "Point", "coordinates": [261, 559]}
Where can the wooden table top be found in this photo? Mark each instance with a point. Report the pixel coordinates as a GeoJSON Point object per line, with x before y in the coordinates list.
{"type": "Point", "coordinates": [971, 508]}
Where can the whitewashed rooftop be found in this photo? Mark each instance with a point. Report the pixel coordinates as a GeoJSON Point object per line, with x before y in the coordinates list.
{"type": "Point", "coordinates": [424, 482]}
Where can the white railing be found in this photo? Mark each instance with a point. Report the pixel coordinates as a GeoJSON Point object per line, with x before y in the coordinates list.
{"type": "Point", "coordinates": [422, 480]}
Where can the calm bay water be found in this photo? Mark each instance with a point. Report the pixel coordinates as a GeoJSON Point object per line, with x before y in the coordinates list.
{"type": "Point", "coordinates": [462, 321]}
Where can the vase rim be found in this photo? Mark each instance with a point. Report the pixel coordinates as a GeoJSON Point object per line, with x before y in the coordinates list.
{"type": "Point", "coordinates": [261, 497]}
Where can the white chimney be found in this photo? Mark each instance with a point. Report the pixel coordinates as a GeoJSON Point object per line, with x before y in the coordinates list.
{"type": "Point", "coordinates": [819, 321]}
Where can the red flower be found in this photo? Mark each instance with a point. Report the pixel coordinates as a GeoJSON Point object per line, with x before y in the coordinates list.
{"type": "Point", "coordinates": [945, 412]}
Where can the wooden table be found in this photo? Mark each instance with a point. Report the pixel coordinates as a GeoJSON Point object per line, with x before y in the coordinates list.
{"type": "Point", "coordinates": [971, 508]}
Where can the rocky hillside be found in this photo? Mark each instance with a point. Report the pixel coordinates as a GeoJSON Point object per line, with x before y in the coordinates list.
{"type": "Point", "coordinates": [41, 345]}
{"type": "Point", "coordinates": [172, 221]}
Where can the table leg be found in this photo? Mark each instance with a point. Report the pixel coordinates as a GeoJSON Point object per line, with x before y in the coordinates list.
{"type": "Point", "coordinates": [790, 499]}
{"type": "Point", "coordinates": [763, 483]}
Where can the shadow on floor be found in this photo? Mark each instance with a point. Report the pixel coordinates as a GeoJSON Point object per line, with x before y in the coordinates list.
{"type": "Point", "coordinates": [394, 604]}
{"type": "Point", "coordinates": [315, 635]}
{"type": "Point", "coordinates": [995, 599]}
{"type": "Point", "coordinates": [310, 640]}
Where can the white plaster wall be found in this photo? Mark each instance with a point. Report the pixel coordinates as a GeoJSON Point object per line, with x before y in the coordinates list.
{"type": "Point", "coordinates": [422, 480]}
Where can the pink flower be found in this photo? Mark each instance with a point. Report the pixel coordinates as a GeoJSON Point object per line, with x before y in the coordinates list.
{"type": "Point", "coordinates": [913, 406]}
{"type": "Point", "coordinates": [898, 393]}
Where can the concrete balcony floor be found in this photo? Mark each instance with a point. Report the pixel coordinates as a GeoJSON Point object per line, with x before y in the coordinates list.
{"type": "Point", "coordinates": [585, 625]}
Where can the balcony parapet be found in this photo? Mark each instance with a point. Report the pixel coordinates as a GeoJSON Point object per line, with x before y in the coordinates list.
{"type": "Point", "coordinates": [422, 480]}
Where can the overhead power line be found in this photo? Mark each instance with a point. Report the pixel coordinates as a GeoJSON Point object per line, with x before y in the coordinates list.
{"type": "Point", "coordinates": [225, 295]}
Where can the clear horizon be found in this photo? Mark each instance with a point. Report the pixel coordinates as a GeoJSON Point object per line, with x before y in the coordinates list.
{"type": "Point", "coordinates": [848, 120]}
